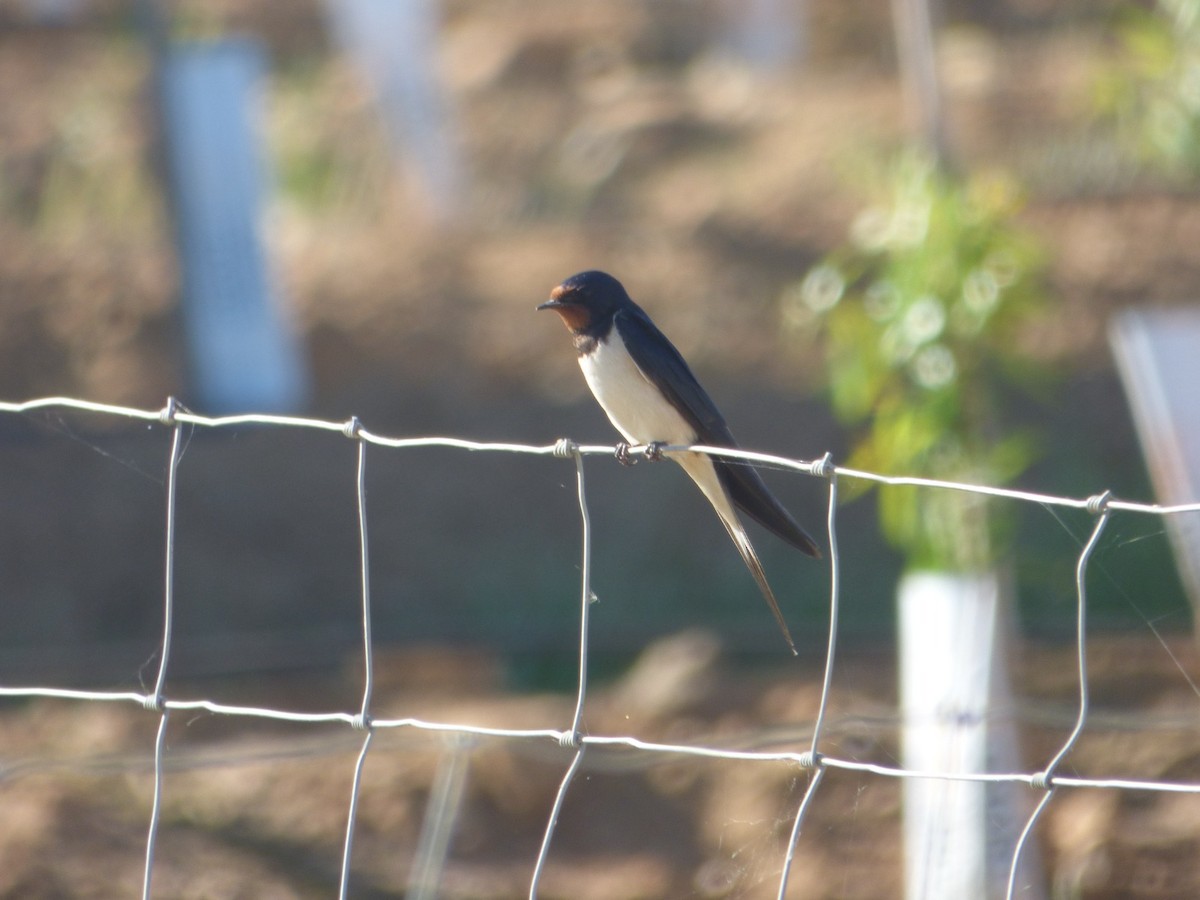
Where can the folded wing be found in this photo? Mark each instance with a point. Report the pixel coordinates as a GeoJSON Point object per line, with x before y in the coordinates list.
{"type": "Point", "coordinates": [663, 365]}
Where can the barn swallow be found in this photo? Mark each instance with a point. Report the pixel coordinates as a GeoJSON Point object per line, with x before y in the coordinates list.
{"type": "Point", "coordinates": [651, 396]}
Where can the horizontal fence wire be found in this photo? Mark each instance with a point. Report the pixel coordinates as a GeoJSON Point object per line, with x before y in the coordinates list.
{"type": "Point", "coordinates": [1048, 780]}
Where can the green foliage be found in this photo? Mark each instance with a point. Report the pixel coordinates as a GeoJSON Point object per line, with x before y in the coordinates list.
{"type": "Point", "coordinates": [1152, 92]}
{"type": "Point", "coordinates": [919, 318]}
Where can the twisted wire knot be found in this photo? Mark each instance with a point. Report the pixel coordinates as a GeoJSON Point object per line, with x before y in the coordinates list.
{"type": "Point", "coordinates": [169, 412]}
{"type": "Point", "coordinates": [824, 467]}
{"type": "Point", "coordinates": [1043, 781]}
{"type": "Point", "coordinates": [811, 759]}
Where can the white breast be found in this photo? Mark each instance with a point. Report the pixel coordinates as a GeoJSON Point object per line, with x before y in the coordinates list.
{"type": "Point", "coordinates": [634, 405]}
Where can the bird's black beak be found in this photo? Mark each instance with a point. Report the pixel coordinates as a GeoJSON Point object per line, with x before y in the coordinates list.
{"type": "Point", "coordinates": [556, 298]}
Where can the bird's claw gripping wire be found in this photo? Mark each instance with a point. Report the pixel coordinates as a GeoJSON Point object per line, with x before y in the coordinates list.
{"type": "Point", "coordinates": [653, 452]}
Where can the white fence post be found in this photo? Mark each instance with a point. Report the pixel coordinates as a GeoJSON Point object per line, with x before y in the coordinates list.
{"type": "Point", "coordinates": [959, 835]}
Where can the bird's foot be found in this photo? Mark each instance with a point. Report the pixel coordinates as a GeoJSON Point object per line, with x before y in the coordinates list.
{"type": "Point", "coordinates": [622, 454]}
{"type": "Point", "coordinates": [654, 450]}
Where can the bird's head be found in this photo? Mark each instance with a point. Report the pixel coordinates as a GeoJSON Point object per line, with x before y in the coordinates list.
{"type": "Point", "coordinates": [587, 302]}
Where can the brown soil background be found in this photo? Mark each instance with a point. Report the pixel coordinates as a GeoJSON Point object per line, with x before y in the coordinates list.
{"type": "Point", "coordinates": [597, 134]}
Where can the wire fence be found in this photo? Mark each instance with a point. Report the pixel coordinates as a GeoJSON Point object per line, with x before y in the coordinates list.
{"type": "Point", "coordinates": [810, 759]}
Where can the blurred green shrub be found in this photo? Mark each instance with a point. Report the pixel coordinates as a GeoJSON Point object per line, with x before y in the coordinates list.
{"type": "Point", "coordinates": [918, 319]}
{"type": "Point", "coordinates": [1152, 90]}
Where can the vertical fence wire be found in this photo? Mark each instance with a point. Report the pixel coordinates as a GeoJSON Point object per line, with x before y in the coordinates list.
{"type": "Point", "coordinates": [585, 592]}
{"type": "Point", "coordinates": [175, 417]}
{"type": "Point", "coordinates": [363, 720]}
{"type": "Point", "coordinates": [352, 814]}
{"type": "Point", "coordinates": [552, 822]}
{"type": "Point", "coordinates": [824, 467]}
{"type": "Point", "coordinates": [1099, 506]}
{"type": "Point", "coordinates": [156, 804]}
{"type": "Point", "coordinates": [565, 448]}
{"type": "Point", "coordinates": [156, 701]}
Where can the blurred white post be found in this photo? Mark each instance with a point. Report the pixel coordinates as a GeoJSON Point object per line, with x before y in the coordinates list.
{"type": "Point", "coordinates": [244, 352]}
{"type": "Point", "coordinates": [1158, 355]}
{"type": "Point", "coordinates": [441, 819]}
{"type": "Point", "coordinates": [959, 835]}
{"type": "Point", "coordinates": [393, 43]}
{"type": "Point", "coordinates": [912, 21]}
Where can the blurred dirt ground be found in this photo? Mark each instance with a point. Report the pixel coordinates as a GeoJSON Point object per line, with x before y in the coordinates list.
{"type": "Point", "coordinates": [601, 133]}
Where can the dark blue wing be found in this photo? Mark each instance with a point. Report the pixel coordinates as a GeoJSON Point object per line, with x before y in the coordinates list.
{"type": "Point", "coordinates": [664, 367]}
